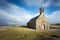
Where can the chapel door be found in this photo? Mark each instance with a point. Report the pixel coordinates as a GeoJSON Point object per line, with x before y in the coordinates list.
{"type": "Point", "coordinates": [43, 27]}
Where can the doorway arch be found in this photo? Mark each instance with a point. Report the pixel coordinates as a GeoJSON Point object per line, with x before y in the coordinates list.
{"type": "Point", "coordinates": [43, 26]}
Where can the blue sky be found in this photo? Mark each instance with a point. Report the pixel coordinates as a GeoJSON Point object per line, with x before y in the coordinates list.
{"type": "Point", "coordinates": [19, 12]}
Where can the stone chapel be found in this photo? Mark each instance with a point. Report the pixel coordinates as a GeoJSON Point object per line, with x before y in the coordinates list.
{"type": "Point", "coordinates": [39, 22]}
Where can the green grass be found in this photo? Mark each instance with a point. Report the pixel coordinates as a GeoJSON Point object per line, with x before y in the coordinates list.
{"type": "Point", "coordinates": [21, 33]}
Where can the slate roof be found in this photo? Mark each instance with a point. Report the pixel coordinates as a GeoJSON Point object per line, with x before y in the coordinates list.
{"type": "Point", "coordinates": [34, 19]}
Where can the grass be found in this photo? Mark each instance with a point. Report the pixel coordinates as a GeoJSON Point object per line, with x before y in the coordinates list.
{"type": "Point", "coordinates": [21, 33]}
{"type": "Point", "coordinates": [55, 26]}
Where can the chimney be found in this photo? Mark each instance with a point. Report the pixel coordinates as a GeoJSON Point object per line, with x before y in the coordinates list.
{"type": "Point", "coordinates": [41, 10]}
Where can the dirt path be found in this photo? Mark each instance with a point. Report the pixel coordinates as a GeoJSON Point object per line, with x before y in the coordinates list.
{"type": "Point", "coordinates": [54, 38]}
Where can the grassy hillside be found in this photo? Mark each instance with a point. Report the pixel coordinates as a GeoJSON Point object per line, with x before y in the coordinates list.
{"type": "Point", "coordinates": [55, 26]}
{"type": "Point", "coordinates": [20, 33]}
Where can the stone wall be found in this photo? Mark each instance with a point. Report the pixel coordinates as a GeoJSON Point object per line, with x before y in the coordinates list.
{"type": "Point", "coordinates": [42, 20]}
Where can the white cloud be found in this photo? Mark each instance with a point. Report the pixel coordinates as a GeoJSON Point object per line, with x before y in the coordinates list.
{"type": "Point", "coordinates": [37, 3]}
{"type": "Point", "coordinates": [12, 23]}
{"type": "Point", "coordinates": [52, 2]}
{"type": "Point", "coordinates": [40, 3]}
{"type": "Point", "coordinates": [21, 13]}
{"type": "Point", "coordinates": [54, 17]}
{"type": "Point", "coordinates": [33, 2]}
{"type": "Point", "coordinates": [7, 15]}
{"type": "Point", "coordinates": [47, 4]}
{"type": "Point", "coordinates": [16, 15]}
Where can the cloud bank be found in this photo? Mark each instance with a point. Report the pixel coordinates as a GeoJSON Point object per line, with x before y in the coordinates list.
{"type": "Point", "coordinates": [54, 17]}
{"type": "Point", "coordinates": [14, 14]}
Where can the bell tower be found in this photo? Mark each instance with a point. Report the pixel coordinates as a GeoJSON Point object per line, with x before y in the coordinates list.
{"type": "Point", "coordinates": [41, 10]}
